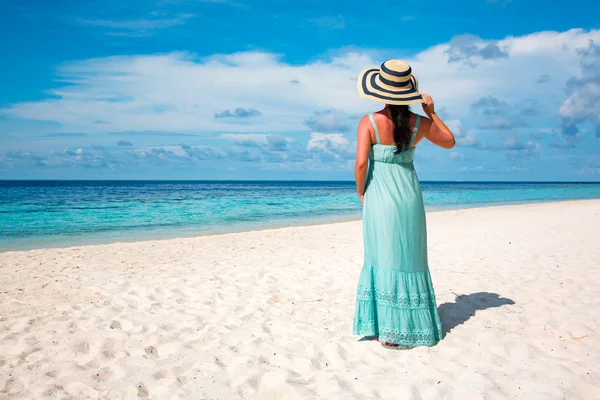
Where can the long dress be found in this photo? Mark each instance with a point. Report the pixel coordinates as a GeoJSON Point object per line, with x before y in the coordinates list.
{"type": "Point", "coordinates": [395, 298]}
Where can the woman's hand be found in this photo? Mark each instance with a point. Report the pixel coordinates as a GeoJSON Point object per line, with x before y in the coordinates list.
{"type": "Point", "coordinates": [428, 106]}
{"type": "Point", "coordinates": [362, 199]}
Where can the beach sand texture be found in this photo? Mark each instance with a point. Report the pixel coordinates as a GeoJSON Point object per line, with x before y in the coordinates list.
{"type": "Point", "coordinates": [268, 314]}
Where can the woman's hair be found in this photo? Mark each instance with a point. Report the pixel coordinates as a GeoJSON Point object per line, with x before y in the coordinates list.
{"type": "Point", "coordinates": [402, 133]}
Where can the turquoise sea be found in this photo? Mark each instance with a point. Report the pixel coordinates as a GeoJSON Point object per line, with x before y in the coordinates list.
{"type": "Point", "coordinates": [37, 214]}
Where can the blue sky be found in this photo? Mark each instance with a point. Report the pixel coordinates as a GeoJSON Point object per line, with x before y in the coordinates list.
{"type": "Point", "coordinates": [220, 89]}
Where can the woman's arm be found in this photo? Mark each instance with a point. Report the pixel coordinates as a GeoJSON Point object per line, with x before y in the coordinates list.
{"type": "Point", "coordinates": [434, 128]}
{"type": "Point", "coordinates": [362, 156]}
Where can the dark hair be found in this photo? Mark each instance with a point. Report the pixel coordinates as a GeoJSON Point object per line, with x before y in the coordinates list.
{"type": "Point", "coordinates": [402, 133]}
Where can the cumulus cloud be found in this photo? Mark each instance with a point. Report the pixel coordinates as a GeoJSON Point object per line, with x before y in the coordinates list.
{"type": "Point", "coordinates": [512, 145]}
{"type": "Point", "coordinates": [330, 146]}
{"type": "Point", "coordinates": [543, 78]}
{"type": "Point", "coordinates": [238, 113]}
{"type": "Point", "coordinates": [127, 93]}
{"type": "Point", "coordinates": [278, 142]}
{"type": "Point", "coordinates": [22, 158]}
{"type": "Point", "coordinates": [490, 105]}
{"type": "Point", "coordinates": [567, 136]}
{"type": "Point", "coordinates": [529, 108]}
{"type": "Point", "coordinates": [583, 104]}
{"type": "Point", "coordinates": [266, 142]}
{"type": "Point", "coordinates": [503, 115]}
{"type": "Point", "coordinates": [470, 140]}
{"type": "Point", "coordinates": [326, 121]}
{"type": "Point", "coordinates": [162, 156]}
{"type": "Point", "coordinates": [84, 157]}
{"type": "Point", "coordinates": [98, 157]}
{"type": "Point", "coordinates": [180, 154]}
{"type": "Point", "coordinates": [189, 155]}
{"type": "Point", "coordinates": [470, 49]}
{"type": "Point", "coordinates": [464, 137]}
{"type": "Point", "coordinates": [330, 151]}
{"type": "Point", "coordinates": [519, 149]}
{"type": "Point", "coordinates": [500, 123]}
{"type": "Point", "coordinates": [203, 152]}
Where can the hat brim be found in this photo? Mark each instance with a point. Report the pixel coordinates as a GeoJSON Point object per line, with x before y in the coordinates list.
{"type": "Point", "coordinates": [370, 87]}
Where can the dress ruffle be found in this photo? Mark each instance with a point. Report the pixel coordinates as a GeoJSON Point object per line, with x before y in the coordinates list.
{"type": "Point", "coordinates": [399, 307]}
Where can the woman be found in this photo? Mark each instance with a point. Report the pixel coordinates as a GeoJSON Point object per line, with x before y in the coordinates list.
{"type": "Point", "coordinates": [395, 300]}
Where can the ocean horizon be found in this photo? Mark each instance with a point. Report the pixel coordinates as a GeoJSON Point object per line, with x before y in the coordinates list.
{"type": "Point", "coordinates": [62, 213]}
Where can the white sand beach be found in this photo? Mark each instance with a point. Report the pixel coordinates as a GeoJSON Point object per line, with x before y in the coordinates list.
{"type": "Point", "coordinates": [268, 314]}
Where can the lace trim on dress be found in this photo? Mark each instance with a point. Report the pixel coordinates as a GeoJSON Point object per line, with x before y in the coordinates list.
{"type": "Point", "coordinates": [415, 337]}
{"type": "Point", "coordinates": [398, 300]}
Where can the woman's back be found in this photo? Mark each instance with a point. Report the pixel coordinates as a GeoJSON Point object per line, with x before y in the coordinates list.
{"type": "Point", "coordinates": [390, 153]}
{"type": "Point", "coordinates": [393, 204]}
{"type": "Point", "coordinates": [385, 126]}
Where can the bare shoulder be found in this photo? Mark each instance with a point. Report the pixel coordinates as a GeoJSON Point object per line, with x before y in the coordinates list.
{"type": "Point", "coordinates": [364, 123]}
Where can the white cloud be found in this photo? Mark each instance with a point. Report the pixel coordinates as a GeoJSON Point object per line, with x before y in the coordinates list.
{"type": "Point", "coordinates": [171, 150]}
{"type": "Point", "coordinates": [181, 154]}
{"type": "Point", "coordinates": [327, 121]}
{"type": "Point", "coordinates": [583, 104]}
{"type": "Point", "coordinates": [331, 145]}
{"type": "Point", "coordinates": [267, 142]}
{"type": "Point", "coordinates": [182, 93]}
{"type": "Point", "coordinates": [469, 50]}
{"type": "Point", "coordinates": [455, 126]}
{"type": "Point", "coordinates": [464, 138]}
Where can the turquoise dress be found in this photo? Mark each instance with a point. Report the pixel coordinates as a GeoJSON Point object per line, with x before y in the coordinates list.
{"type": "Point", "coordinates": [395, 299]}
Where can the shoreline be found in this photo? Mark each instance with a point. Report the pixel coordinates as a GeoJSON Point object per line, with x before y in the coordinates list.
{"type": "Point", "coordinates": [276, 181]}
{"type": "Point", "coordinates": [268, 314]}
{"type": "Point", "coordinates": [95, 241]}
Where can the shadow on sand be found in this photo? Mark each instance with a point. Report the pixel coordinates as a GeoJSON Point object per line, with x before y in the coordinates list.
{"type": "Point", "coordinates": [465, 306]}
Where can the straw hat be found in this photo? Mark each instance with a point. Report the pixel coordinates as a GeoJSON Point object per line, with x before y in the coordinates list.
{"type": "Point", "coordinates": [393, 83]}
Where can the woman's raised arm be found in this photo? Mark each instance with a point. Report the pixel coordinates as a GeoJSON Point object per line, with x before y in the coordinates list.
{"type": "Point", "coordinates": [434, 128]}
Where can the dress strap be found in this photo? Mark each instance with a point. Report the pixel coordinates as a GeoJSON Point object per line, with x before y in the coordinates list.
{"type": "Point", "coordinates": [375, 127]}
{"type": "Point", "coordinates": [414, 134]}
